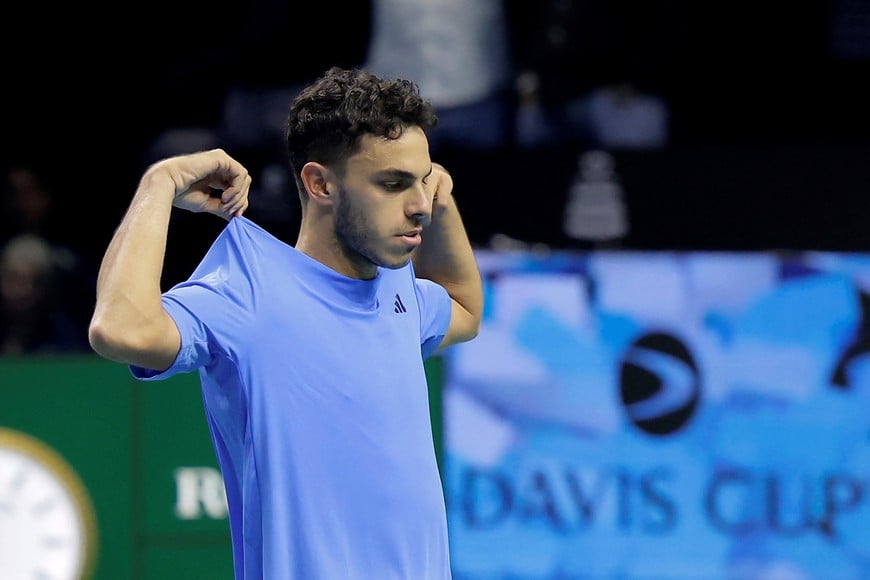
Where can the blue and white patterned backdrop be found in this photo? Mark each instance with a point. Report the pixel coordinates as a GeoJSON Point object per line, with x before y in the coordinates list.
{"type": "Point", "coordinates": [663, 415]}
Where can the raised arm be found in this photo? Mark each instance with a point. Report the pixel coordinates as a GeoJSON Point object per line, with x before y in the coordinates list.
{"type": "Point", "coordinates": [446, 257]}
{"type": "Point", "coordinates": [129, 324]}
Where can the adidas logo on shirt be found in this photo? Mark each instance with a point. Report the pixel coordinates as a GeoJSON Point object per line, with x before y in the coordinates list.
{"type": "Point", "coordinates": [398, 307]}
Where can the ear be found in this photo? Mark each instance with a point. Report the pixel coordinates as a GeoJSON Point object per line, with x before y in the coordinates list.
{"type": "Point", "coordinates": [317, 179]}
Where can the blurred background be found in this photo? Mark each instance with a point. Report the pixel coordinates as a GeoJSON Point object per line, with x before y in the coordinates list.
{"type": "Point", "coordinates": [660, 192]}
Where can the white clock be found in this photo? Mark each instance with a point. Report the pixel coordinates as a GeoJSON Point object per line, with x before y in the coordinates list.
{"type": "Point", "coordinates": [47, 520]}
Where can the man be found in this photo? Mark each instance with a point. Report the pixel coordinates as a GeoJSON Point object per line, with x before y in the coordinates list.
{"type": "Point", "coordinates": [33, 319]}
{"type": "Point", "coordinates": [311, 357]}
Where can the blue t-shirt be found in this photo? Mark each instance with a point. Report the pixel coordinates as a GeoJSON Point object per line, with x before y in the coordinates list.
{"type": "Point", "coordinates": [316, 399]}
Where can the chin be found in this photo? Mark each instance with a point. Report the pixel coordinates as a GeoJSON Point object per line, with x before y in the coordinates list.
{"type": "Point", "coordinates": [393, 261]}
{"type": "Point", "coordinates": [396, 263]}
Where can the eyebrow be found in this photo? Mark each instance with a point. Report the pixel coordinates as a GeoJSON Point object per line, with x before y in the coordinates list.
{"type": "Point", "coordinates": [402, 174]}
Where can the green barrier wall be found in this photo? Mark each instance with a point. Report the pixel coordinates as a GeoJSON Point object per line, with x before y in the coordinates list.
{"type": "Point", "coordinates": [143, 454]}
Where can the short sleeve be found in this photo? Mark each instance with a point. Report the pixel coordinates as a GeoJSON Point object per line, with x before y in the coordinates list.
{"type": "Point", "coordinates": [435, 310]}
{"type": "Point", "coordinates": [194, 352]}
{"type": "Point", "coordinates": [209, 310]}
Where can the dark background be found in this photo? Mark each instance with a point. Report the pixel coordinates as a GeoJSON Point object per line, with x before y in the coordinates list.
{"type": "Point", "coordinates": [769, 134]}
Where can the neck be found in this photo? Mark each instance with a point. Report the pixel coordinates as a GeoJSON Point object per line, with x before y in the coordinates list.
{"type": "Point", "coordinates": [329, 251]}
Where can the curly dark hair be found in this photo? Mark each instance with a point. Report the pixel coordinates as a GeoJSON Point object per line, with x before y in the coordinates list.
{"type": "Point", "coordinates": [329, 117]}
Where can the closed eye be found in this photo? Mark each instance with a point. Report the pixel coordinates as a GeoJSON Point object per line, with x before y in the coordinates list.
{"type": "Point", "coordinates": [396, 180]}
{"type": "Point", "coordinates": [393, 185]}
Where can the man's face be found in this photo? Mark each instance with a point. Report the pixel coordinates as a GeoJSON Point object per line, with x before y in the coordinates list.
{"type": "Point", "coordinates": [382, 205]}
{"type": "Point", "coordinates": [22, 287]}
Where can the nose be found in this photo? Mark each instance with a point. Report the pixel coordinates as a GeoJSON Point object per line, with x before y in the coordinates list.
{"type": "Point", "coordinates": [419, 205]}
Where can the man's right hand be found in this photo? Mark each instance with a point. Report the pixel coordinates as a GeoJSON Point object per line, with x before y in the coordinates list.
{"type": "Point", "coordinates": [207, 181]}
{"type": "Point", "coordinates": [129, 324]}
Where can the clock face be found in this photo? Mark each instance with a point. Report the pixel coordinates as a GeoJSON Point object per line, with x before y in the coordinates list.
{"type": "Point", "coordinates": [47, 522]}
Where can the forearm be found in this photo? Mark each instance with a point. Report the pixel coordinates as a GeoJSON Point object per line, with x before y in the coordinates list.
{"type": "Point", "coordinates": [128, 311]}
{"type": "Point", "coordinates": [446, 257]}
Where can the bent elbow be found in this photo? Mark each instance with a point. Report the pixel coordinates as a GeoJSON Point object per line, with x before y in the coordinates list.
{"type": "Point", "coordinates": [106, 341]}
{"type": "Point", "coordinates": [475, 329]}
{"type": "Point", "coordinates": [152, 345]}
{"type": "Point", "coordinates": [117, 342]}
{"type": "Point", "coordinates": [470, 329]}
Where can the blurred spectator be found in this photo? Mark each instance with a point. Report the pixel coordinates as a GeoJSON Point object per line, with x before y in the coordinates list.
{"type": "Point", "coordinates": [27, 205]}
{"type": "Point", "coordinates": [459, 54]}
{"type": "Point", "coordinates": [33, 319]}
{"type": "Point", "coordinates": [31, 206]}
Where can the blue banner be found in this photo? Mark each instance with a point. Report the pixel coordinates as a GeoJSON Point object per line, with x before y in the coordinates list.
{"type": "Point", "coordinates": [662, 415]}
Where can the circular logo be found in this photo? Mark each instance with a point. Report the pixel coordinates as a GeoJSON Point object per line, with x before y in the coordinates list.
{"type": "Point", "coordinates": [659, 383]}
